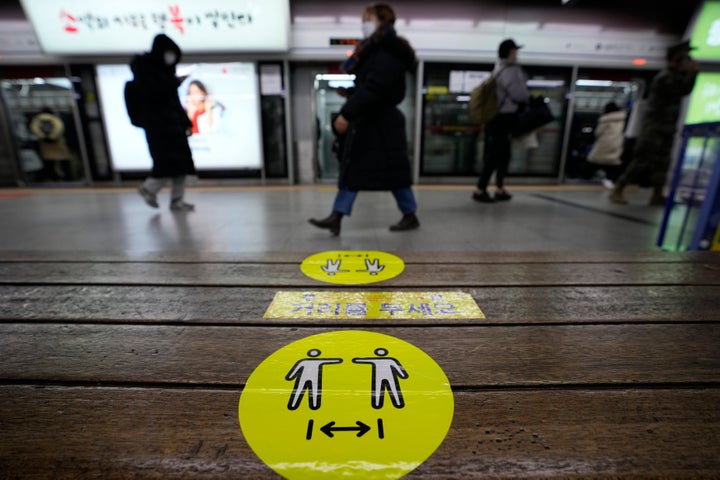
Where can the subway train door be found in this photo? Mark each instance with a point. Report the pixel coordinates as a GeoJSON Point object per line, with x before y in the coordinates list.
{"type": "Point", "coordinates": [42, 118]}
{"type": "Point", "coordinates": [452, 146]}
{"type": "Point", "coordinates": [593, 90]}
{"type": "Point", "coordinates": [328, 102]}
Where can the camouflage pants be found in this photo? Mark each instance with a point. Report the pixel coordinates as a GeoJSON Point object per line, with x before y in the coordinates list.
{"type": "Point", "coordinates": [650, 162]}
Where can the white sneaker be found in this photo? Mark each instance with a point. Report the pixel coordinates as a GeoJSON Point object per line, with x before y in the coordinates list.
{"type": "Point", "coordinates": [181, 206]}
{"type": "Point", "coordinates": [149, 197]}
{"type": "Point", "coordinates": [607, 183]}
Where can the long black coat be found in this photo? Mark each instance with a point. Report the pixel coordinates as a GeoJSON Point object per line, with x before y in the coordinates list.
{"type": "Point", "coordinates": [374, 152]}
{"type": "Point", "coordinates": [163, 117]}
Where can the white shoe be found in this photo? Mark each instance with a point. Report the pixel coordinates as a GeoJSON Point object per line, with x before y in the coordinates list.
{"type": "Point", "coordinates": [607, 183]}
{"type": "Point", "coordinates": [181, 206]}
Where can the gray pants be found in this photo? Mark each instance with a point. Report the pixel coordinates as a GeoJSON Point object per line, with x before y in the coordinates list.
{"type": "Point", "coordinates": [154, 185]}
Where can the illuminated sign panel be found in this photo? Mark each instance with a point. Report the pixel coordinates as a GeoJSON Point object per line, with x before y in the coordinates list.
{"type": "Point", "coordinates": [226, 127]}
{"type": "Point", "coordinates": [706, 33]}
{"type": "Point", "coordinates": [705, 99]}
{"type": "Point", "coordinates": [344, 41]}
{"type": "Point", "coordinates": [103, 27]}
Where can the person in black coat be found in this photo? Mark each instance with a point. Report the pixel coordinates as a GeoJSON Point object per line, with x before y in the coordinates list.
{"type": "Point", "coordinates": [373, 148]}
{"type": "Point", "coordinates": [165, 122]}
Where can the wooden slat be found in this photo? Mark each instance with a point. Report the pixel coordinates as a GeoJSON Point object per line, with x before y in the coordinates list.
{"type": "Point", "coordinates": [465, 257]}
{"type": "Point", "coordinates": [112, 433]}
{"type": "Point", "coordinates": [235, 305]}
{"type": "Point", "coordinates": [470, 356]}
{"type": "Point", "coordinates": [415, 275]}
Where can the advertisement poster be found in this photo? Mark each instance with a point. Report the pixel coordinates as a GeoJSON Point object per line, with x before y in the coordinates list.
{"type": "Point", "coordinates": [76, 27]}
{"type": "Point", "coordinates": [220, 99]}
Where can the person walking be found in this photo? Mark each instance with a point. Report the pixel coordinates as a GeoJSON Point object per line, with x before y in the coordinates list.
{"type": "Point", "coordinates": [512, 95]}
{"type": "Point", "coordinates": [372, 143]}
{"type": "Point", "coordinates": [607, 150]}
{"type": "Point", "coordinates": [651, 156]}
{"type": "Point", "coordinates": [165, 122]}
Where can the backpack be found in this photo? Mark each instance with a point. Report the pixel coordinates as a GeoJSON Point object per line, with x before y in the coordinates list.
{"type": "Point", "coordinates": [134, 102]}
{"type": "Point", "coordinates": [483, 101]}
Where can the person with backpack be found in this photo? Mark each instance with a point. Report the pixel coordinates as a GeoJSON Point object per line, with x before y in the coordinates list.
{"type": "Point", "coordinates": [512, 95]}
{"type": "Point", "coordinates": [154, 105]}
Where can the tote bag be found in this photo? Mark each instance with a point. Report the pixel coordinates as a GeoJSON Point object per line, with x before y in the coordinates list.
{"type": "Point", "coordinates": [535, 115]}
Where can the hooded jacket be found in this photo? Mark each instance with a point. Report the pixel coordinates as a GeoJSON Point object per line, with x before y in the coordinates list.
{"type": "Point", "coordinates": [50, 131]}
{"type": "Point", "coordinates": [164, 119]}
{"type": "Point", "coordinates": [609, 139]}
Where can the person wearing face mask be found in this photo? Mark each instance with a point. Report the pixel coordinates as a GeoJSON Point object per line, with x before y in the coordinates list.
{"type": "Point", "coordinates": [652, 153]}
{"type": "Point", "coordinates": [372, 143]}
{"type": "Point", "coordinates": [165, 123]}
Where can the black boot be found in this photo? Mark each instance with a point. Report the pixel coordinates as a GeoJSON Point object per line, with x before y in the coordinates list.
{"type": "Point", "coordinates": [408, 222]}
{"type": "Point", "coordinates": [332, 222]}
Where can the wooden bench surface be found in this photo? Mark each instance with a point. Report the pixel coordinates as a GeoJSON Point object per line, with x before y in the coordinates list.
{"type": "Point", "coordinates": [598, 365]}
{"type": "Point", "coordinates": [436, 275]}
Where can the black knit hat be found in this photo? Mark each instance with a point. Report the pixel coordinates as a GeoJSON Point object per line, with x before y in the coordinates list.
{"type": "Point", "coordinates": [506, 46]}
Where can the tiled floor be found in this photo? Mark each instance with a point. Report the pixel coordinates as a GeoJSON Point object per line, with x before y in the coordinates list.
{"type": "Point", "coordinates": [271, 219]}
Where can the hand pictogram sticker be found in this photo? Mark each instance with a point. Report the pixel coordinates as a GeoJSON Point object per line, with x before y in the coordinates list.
{"type": "Point", "coordinates": [352, 267]}
{"type": "Point", "coordinates": [346, 404]}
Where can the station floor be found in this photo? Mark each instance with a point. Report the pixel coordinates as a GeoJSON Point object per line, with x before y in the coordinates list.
{"type": "Point", "coordinates": [257, 219]}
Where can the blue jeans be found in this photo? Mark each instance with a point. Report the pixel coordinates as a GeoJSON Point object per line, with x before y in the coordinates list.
{"type": "Point", "coordinates": [403, 196]}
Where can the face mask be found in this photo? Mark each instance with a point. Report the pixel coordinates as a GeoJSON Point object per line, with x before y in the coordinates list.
{"type": "Point", "coordinates": [169, 58]}
{"type": "Point", "coordinates": [368, 28]}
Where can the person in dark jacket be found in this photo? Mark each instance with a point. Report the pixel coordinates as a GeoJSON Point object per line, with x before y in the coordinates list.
{"type": "Point", "coordinates": [165, 122]}
{"type": "Point", "coordinates": [651, 156]}
{"type": "Point", "coordinates": [512, 95]}
{"type": "Point", "coordinates": [373, 147]}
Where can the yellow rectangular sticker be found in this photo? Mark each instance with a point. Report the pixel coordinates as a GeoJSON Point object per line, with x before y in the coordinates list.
{"type": "Point", "coordinates": [373, 305]}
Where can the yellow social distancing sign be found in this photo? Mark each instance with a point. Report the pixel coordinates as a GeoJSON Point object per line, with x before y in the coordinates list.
{"type": "Point", "coordinates": [353, 267]}
{"type": "Point", "coordinates": [380, 305]}
{"type": "Point", "coordinates": [347, 404]}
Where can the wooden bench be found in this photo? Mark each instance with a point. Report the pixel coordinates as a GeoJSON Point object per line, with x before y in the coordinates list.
{"type": "Point", "coordinates": [598, 365]}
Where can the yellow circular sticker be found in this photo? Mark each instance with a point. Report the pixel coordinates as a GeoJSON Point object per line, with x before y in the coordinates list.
{"type": "Point", "coordinates": [352, 267]}
{"type": "Point", "coordinates": [347, 404]}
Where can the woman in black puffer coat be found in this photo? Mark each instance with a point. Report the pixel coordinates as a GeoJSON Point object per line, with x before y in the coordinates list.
{"type": "Point", "coordinates": [166, 124]}
{"type": "Point", "coordinates": [373, 150]}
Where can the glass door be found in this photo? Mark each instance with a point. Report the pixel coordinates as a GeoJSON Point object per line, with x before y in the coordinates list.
{"type": "Point", "coordinates": [330, 90]}
{"type": "Point", "coordinates": [593, 90]}
{"type": "Point", "coordinates": [329, 98]}
{"type": "Point", "coordinates": [453, 146]}
{"type": "Point", "coordinates": [544, 161]}
{"type": "Point", "coordinates": [41, 111]}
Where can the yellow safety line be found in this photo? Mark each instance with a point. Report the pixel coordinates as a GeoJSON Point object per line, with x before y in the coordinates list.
{"type": "Point", "coordinates": [41, 190]}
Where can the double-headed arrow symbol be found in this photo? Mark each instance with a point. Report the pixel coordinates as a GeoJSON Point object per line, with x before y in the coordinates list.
{"type": "Point", "coordinates": [361, 428]}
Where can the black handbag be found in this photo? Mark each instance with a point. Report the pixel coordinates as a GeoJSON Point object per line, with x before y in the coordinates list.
{"type": "Point", "coordinates": [535, 115]}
